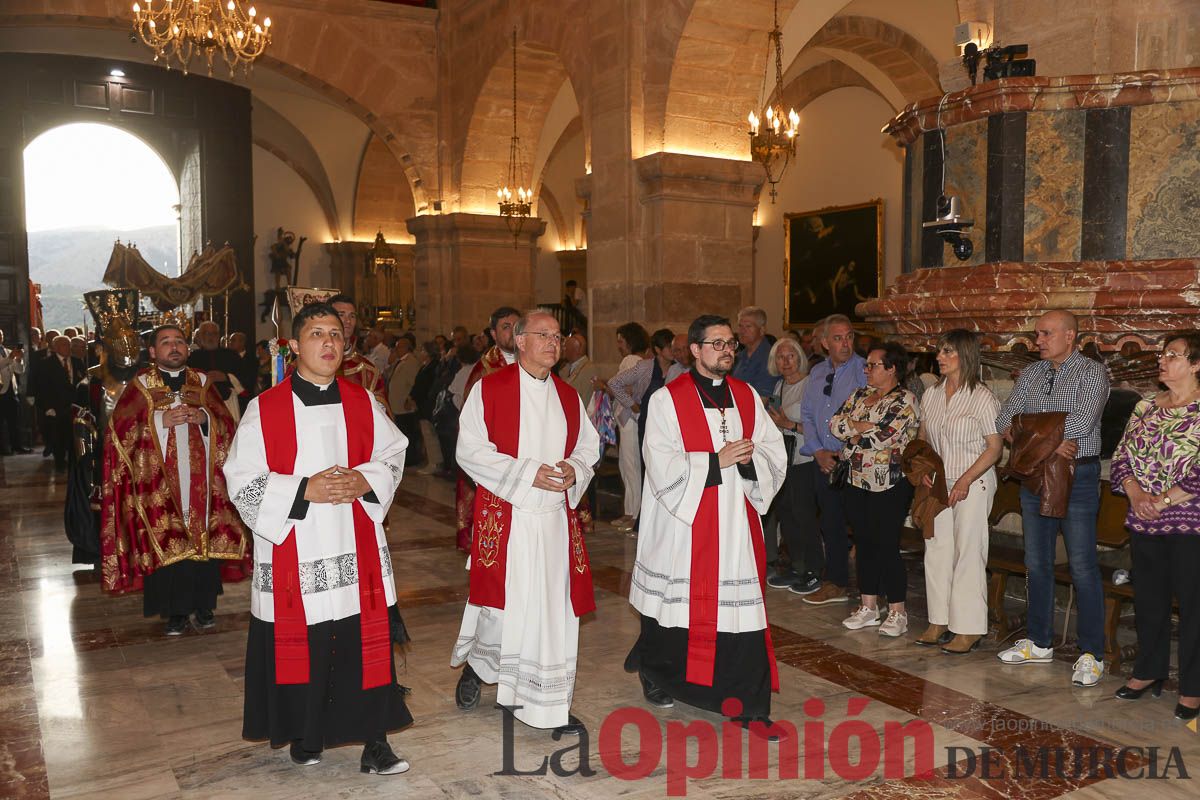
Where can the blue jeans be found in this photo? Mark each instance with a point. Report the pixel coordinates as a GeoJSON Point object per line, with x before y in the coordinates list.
{"type": "Point", "coordinates": [1079, 535]}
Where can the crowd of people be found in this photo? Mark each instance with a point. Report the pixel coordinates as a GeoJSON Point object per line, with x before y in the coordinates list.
{"type": "Point", "coordinates": [748, 462]}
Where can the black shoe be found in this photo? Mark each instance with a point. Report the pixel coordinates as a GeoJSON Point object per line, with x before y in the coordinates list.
{"type": "Point", "coordinates": [177, 626]}
{"type": "Point", "coordinates": [573, 728]}
{"type": "Point", "coordinates": [1126, 693]}
{"type": "Point", "coordinates": [302, 757]}
{"type": "Point", "coordinates": [466, 694]}
{"type": "Point", "coordinates": [205, 619]}
{"type": "Point", "coordinates": [805, 584]}
{"type": "Point", "coordinates": [23, 451]}
{"type": "Point", "coordinates": [378, 759]}
{"type": "Point", "coordinates": [781, 579]}
{"type": "Point", "coordinates": [1186, 714]}
{"type": "Point", "coordinates": [766, 729]}
{"type": "Point", "coordinates": [656, 696]}
{"type": "Point", "coordinates": [47, 453]}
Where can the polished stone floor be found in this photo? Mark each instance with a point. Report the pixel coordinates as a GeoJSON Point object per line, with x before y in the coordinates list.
{"type": "Point", "coordinates": [96, 703]}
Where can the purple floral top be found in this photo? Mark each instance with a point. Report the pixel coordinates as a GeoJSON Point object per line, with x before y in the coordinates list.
{"type": "Point", "coordinates": [1161, 449]}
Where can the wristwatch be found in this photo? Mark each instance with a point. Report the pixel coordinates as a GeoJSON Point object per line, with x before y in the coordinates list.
{"type": "Point", "coordinates": [1166, 498]}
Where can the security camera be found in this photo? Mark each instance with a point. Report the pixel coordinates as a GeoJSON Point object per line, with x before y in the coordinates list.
{"type": "Point", "coordinates": [952, 227]}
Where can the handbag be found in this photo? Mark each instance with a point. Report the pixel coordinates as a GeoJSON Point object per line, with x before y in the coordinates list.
{"type": "Point", "coordinates": [840, 475]}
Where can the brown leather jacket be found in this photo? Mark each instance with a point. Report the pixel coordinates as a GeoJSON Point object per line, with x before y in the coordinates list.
{"type": "Point", "coordinates": [1034, 463]}
{"type": "Point", "coordinates": [920, 459]}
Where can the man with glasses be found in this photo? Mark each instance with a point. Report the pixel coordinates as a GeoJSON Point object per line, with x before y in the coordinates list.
{"type": "Point", "coordinates": [1064, 381]}
{"type": "Point", "coordinates": [526, 440]}
{"type": "Point", "coordinates": [830, 384]}
{"type": "Point", "coordinates": [714, 462]}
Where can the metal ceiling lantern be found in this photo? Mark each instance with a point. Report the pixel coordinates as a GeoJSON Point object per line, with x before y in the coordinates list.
{"type": "Point", "coordinates": [515, 200]}
{"type": "Point", "coordinates": [774, 143]}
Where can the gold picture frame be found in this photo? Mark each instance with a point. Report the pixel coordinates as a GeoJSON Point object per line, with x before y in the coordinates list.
{"type": "Point", "coordinates": [825, 261]}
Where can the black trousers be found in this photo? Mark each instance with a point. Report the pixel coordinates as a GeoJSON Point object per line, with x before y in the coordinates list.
{"type": "Point", "coordinates": [181, 588]}
{"type": "Point", "coordinates": [10, 416]}
{"type": "Point", "coordinates": [877, 519]}
{"type": "Point", "coordinates": [833, 529]}
{"type": "Point", "coordinates": [1164, 566]}
{"type": "Point", "coordinates": [59, 429]}
{"type": "Point", "coordinates": [795, 508]}
{"type": "Point", "coordinates": [409, 425]}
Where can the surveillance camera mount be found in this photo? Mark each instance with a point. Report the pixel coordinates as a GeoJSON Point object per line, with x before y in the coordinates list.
{"type": "Point", "coordinates": [952, 226]}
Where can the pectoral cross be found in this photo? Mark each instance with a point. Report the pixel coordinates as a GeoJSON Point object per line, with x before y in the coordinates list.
{"type": "Point", "coordinates": [724, 429]}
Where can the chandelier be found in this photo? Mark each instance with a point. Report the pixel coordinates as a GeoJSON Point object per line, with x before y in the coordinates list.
{"type": "Point", "coordinates": [774, 143]}
{"type": "Point", "coordinates": [180, 29]}
{"type": "Point", "coordinates": [515, 203]}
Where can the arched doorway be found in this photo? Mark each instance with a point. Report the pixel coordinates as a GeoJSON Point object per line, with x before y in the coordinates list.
{"type": "Point", "coordinates": [77, 204]}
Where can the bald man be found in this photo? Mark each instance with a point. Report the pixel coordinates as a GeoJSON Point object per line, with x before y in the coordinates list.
{"type": "Point", "coordinates": [221, 365]}
{"type": "Point", "coordinates": [1063, 381]}
{"type": "Point", "coordinates": [682, 355]}
{"type": "Point", "coordinates": [579, 371]}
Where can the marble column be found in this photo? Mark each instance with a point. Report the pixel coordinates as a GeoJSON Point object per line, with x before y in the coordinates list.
{"type": "Point", "coordinates": [465, 265]}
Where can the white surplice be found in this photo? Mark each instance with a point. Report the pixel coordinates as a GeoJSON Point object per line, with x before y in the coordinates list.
{"type": "Point", "coordinates": [675, 480]}
{"type": "Point", "coordinates": [182, 451]}
{"type": "Point", "coordinates": [529, 648]}
{"type": "Point", "coordinates": [325, 545]}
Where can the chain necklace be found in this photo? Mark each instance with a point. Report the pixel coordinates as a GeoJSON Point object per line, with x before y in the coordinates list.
{"type": "Point", "coordinates": [724, 428]}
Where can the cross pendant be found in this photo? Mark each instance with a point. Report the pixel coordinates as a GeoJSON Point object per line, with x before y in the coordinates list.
{"type": "Point", "coordinates": [724, 430]}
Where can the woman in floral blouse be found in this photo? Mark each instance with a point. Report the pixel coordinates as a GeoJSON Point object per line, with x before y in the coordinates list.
{"type": "Point", "coordinates": [1157, 465]}
{"type": "Point", "coordinates": [877, 422]}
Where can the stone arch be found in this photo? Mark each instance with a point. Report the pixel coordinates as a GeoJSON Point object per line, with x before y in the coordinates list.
{"type": "Point", "coordinates": [572, 128]}
{"type": "Point", "coordinates": [548, 203]}
{"type": "Point", "coordinates": [557, 30]}
{"type": "Point", "coordinates": [821, 79]}
{"type": "Point", "coordinates": [382, 198]}
{"type": "Point", "coordinates": [275, 134]}
{"type": "Point", "coordinates": [316, 53]}
{"type": "Point", "coordinates": [483, 164]}
{"type": "Point", "coordinates": [898, 55]}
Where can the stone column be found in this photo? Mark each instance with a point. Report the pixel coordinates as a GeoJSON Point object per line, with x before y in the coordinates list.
{"type": "Point", "coordinates": [698, 236]}
{"type": "Point", "coordinates": [465, 265]}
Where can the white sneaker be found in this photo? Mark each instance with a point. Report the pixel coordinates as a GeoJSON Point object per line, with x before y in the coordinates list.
{"type": "Point", "coordinates": [1088, 671]}
{"type": "Point", "coordinates": [896, 624]}
{"type": "Point", "coordinates": [863, 618]}
{"type": "Point", "coordinates": [1026, 652]}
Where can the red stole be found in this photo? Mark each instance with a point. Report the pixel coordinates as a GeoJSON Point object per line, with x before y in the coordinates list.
{"type": "Point", "coordinates": [706, 528]}
{"type": "Point", "coordinates": [493, 516]}
{"type": "Point", "coordinates": [291, 629]}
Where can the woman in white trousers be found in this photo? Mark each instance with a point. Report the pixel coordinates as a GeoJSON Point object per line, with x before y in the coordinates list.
{"type": "Point", "coordinates": [959, 422]}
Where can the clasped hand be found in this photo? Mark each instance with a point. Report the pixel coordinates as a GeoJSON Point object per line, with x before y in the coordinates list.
{"type": "Point", "coordinates": [738, 452]}
{"type": "Point", "coordinates": [181, 415]}
{"type": "Point", "coordinates": [336, 485]}
{"type": "Point", "coordinates": [558, 478]}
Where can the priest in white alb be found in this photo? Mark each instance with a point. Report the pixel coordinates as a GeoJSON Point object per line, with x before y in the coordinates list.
{"type": "Point", "coordinates": [714, 461]}
{"type": "Point", "coordinates": [526, 440]}
{"type": "Point", "coordinates": [312, 471]}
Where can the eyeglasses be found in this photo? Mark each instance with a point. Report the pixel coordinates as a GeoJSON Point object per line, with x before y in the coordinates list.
{"type": "Point", "coordinates": [1049, 387]}
{"type": "Point", "coordinates": [722, 344]}
{"type": "Point", "coordinates": [829, 384]}
{"type": "Point", "coordinates": [873, 364]}
{"type": "Point", "coordinates": [556, 338]}
{"type": "Point", "coordinates": [1171, 355]}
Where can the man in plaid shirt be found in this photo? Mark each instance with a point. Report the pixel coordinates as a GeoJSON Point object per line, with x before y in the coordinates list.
{"type": "Point", "coordinates": [1065, 381]}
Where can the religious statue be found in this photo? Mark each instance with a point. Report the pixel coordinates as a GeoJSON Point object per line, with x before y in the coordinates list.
{"type": "Point", "coordinates": [285, 268]}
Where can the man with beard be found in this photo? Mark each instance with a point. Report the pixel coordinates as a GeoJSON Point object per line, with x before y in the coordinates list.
{"type": "Point", "coordinates": [526, 440]}
{"type": "Point", "coordinates": [714, 462]}
{"type": "Point", "coordinates": [313, 471]}
{"type": "Point", "coordinates": [504, 352]}
{"type": "Point", "coordinates": [166, 523]}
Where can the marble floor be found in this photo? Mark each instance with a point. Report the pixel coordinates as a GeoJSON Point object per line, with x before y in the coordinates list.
{"type": "Point", "coordinates": [95, 702]}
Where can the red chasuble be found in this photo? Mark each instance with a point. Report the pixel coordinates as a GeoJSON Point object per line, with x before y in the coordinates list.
{"type": "Point", "coordinates": [706, 529]}
{"type": "Point", "coordinates": [464, 487]}
{"type": "Point", "coordinates": [278, 416]}
{"type": "Point", "coordinates": [493, 516]}
{"type": "Point", "coordinates": [141, 521]}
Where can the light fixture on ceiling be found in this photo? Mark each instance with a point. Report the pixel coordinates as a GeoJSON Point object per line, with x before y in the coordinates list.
{"type": "Point", "coordinates": [772, 133]}
{"type": "Point", "coordinates": [515, 200]}
{"type": "Point", "coordinates": [117, 73]}
{"type": "Point", "coordinates": [178, 31]}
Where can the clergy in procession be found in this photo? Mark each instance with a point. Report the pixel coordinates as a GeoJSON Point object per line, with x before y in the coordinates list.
{"type": "Point", "coordinates": [498, 356]}
{"type": "Point", "coordinates": [312, 472]}
{"type": "Point", "coordinates": [356, 368]}
{"type": "Point", "coordinates": [526, 441]}
{"type": "Point", "coordinates": [166, 523]}
{"type": "Point", "coordinates": [714, 461]}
